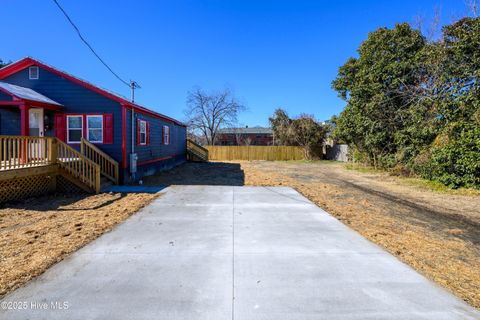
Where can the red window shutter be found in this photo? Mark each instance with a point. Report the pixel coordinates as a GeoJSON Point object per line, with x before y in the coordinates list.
{"type": "Point", "coordinates": [60, 127]}
{"type": "Point", "coordinates": [108, 128]}
{"type": "Point", "coordinates": [148, 132]}
{"type": "Point", "coordinates": [138, 131]}
{"type": "Point", "coordinates": [85, 126]}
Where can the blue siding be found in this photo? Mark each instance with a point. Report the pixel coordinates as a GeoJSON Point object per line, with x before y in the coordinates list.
{"type": "Point", "coordinates": [10, 121]}
{"type": "Point", "coordinates": [176, 150]}
{"type": "Point", "coordinates": [152, 168]}
{"type": "Point", "coordinates": [156, 148]}
{"type": "Point", "coordinates": [76, 99]}
{"type": "Point", "coordinates": [5, 97]}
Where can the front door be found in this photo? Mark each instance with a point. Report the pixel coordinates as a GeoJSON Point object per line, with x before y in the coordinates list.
{"type": "Point", "coordinates": [36, 147]}
{"type": "Point", "coordinates": [35, 121]}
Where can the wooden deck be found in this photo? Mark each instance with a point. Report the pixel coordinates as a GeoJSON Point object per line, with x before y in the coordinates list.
{"type": "Point", "coordinates": [28, 166]}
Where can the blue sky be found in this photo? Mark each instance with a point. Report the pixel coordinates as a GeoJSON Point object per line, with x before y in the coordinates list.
{"type": "Point", "coordinates": [271, 53]}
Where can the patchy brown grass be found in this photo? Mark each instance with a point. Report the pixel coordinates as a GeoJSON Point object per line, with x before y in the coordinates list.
{"type": "Point", "coordinates": [39, 232]}
{"type": "Point", "coordinates": [441, 244]}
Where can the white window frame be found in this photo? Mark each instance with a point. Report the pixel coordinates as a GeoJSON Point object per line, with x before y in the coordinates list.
{"type": "Point", "coordinates": [166, 135]}
{"type": "Point", "coordinates": [140, 132]}
{"type": "Point", "coordinates": [68, 128]}
{"type": "Point", "coordinates": [30, 73]}
{"type": "Point", "coordinates": [101, 128]}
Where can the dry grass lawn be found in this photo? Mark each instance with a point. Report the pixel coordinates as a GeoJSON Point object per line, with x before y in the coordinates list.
{"type": "Point", "coordinates": [39, 232]}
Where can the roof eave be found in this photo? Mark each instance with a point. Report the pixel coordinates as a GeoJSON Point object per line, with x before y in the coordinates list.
{"type": "Point", "coordinates": [19, 100]}
{"type": "Point", "coordinates": [28, 61]}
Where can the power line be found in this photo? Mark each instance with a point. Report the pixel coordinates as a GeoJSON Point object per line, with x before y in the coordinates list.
{"type": "Point", "coordinates": [132, 84]}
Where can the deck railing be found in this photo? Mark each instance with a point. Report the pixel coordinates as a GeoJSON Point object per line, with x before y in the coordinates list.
{"type": "Point", "coordinates": [18, 152]}
{"type": "Point", "coordinates": [77, 165]}
{"type": "Point", "coordinates": [108, 166]}
{"type": "Point", "coordinates": [196, 150]}
{"type": "Point", "coordinates": [21, 152]}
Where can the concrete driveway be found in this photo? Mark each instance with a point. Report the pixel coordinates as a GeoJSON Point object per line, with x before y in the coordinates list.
{"type": "Point", "coordinates": [212, 252]}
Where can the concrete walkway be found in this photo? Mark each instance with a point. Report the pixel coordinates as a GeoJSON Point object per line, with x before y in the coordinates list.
{"type": "Point", "coordinates": [191, 251]}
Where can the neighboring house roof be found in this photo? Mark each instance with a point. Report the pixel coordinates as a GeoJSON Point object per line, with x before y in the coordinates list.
{"type": "Point", "coordinates": [253, 130]}
{"type": "Point", "coordinates": [25, 93]}
{"type": "Point", "coordinates": [28, 62]}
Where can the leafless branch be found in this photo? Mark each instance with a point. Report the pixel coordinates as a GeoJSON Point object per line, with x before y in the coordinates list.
{"type": "Point", "coordinates": [472, 6]}
{"type": "Point", "coordinates": [207, 113]}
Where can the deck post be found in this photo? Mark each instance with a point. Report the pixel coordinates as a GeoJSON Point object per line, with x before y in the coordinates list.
{"type": "Point", "coordinates": [97, 179]}
{"type": "Point", "coordinates": [24, 131]}
{"type": "Point", "coordinates": [24, 119]}
{"type": "Point", "coordinates": [82, 146]}
{"type": "Point", "coordinates": [52, 150]}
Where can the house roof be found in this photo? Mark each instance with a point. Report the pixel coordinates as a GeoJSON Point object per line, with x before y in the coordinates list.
{"type": "Point", "coordinates": [28, 61]}
{"type": "Point", "coordinates": [253, 130]}
{"type": "Point", "coordinates": [25, 93]}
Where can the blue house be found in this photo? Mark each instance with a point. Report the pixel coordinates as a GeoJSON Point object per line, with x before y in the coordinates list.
{"type": "Point", "coordinates": [39, 100]}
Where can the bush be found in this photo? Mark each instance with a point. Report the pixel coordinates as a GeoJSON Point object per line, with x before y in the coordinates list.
{"type": "Point", "coordinates": [456, 163]}
{"type": "Point", "coordinates": [413, 105]}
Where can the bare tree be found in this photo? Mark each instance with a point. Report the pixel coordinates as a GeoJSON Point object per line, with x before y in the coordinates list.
{"type": "Point", "coordinates": [207, 112]}
{"type": "Point", "coordinates": [435, 28]}
{"type": "Point", "coordinates": [472, 5]}
{"type": "Point", "coordinates": [418, 22]}
{"type": "Point", "coordinates": [238, 136]}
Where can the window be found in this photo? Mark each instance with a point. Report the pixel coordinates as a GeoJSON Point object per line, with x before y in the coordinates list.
{"type": "Point", "coordinates": [166, 135]}
{"type": "Point", "coordinates": [95, 128]}
{"type": "Point", "coordinates": [33, 73]}
{"type": "Point", "coordinates": [143, 132]}
{"type": "Point", "coordinates": [74, 129]}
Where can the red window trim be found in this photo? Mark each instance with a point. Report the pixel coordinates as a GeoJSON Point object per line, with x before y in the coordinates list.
{"type": "Point", "coordinates": [164, 135]}
{"type": "Point", "coordinates": [147, 133]}
{"type": "Point", "coordinates": [124, 136]}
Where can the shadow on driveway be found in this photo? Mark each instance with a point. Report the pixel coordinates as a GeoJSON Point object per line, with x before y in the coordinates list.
{"type": "Point", "coordinates": [200, 173]}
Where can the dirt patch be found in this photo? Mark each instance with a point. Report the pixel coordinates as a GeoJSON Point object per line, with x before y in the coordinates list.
{"type": "Point", "coordinates": [39, 232]}
{"type": "Point", "coordinates": [438, 234]}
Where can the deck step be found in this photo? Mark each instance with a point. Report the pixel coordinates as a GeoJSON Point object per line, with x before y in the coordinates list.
{"type": "Point", "coordinates": [196, 152]}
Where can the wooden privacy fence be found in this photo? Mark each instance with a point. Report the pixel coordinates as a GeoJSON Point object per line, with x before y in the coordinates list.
{"type": "Point", "coordinates": [271, 153]}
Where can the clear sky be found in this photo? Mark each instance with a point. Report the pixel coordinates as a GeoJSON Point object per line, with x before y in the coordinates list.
{"type": "Point", "coordinates": [271, 53]}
